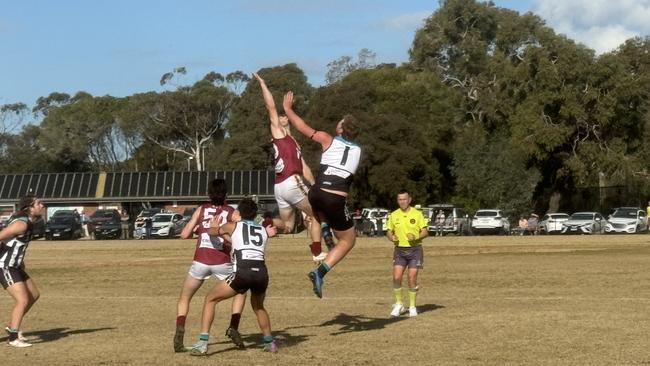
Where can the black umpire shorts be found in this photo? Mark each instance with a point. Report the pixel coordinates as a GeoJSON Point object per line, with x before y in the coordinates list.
{"type": "Point", "coordinates": [11, 275]}
{"type": "Point", "coordinates": [331, 208]}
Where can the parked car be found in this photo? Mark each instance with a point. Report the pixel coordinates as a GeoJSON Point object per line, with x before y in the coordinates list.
{"type": "Point", "coordinates": [99, 217]}
{"type": "Point", "coordinates": [167, 225]}
{"type": "Point", "coordinates": [108, 229]}
{"type": "Point", "coordinates": [374, 221]}
{"type": "Point", "coordinates": [456, 220]}
{"type": "Point", "coordinates": [584, 223]}
{"type": "Point", "coordinates": [188, 212]}
{"type": "Point", "coordinates": [64, 227]}
{"type": "Point", "coordinates": [552, 223]}
{"type": "Point", "coordinates": [627, 220]}
{"type": "Point", "coordinates": [490, 221]}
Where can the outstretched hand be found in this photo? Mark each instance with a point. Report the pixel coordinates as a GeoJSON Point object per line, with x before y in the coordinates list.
{"type": "Point", "coordinates": [271, 230]}
{"type": "Point", "coordinates": [259, 78]}
{"type": "Point", "coordinates": [287, 103]}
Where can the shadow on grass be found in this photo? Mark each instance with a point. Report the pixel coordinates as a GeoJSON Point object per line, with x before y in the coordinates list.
{"type": "Point", "coordinates": [348, 323]}
{"type": "Point", "coordinates": [55, 334]}
{"type": "Point", "coordinates": [358, 323]}
{"type": "Point", "coordinates": [254, 341]}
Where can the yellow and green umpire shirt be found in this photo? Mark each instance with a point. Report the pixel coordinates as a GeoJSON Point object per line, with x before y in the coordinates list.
{"type": "Point", "coordinates": [401, 223]}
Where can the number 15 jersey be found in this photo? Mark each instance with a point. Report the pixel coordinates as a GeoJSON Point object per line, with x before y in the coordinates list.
{"type": "Point", "coordinates": [248, 245]}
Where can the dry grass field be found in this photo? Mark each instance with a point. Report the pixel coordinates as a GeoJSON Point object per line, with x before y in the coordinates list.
{"type": "Point", "coordinates": [546, 300]}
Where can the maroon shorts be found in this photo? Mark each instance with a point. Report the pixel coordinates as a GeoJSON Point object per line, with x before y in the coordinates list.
{"type": "Point", "coordinates": [411, 257]}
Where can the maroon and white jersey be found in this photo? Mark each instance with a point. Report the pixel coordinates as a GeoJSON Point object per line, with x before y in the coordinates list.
{"type": "Point", "coordinates": [287, 158]}
{"type": "Point", "coordinates": [210, 249]}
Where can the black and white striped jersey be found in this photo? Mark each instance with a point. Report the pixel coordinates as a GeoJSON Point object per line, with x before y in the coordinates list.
{"type": "Point", "coordinates": [338, 165]}
{"type": "Point", "coordinates": [248, 244]}
{"type": "Point", "coordinates": [12, 253]}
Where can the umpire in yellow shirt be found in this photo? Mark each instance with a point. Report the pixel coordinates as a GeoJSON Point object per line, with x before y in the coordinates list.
{"type": "Point", "coordinates": [406, 227]}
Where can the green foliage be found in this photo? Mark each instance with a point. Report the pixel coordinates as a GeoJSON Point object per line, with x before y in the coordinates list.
{"type": "Point", "coordinates": [248, 145]}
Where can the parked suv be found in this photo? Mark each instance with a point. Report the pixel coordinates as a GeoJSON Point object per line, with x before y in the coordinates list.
{"type": "Point", "coordinates": [490, 221]}
{"type": "Point", "coordinates": [374, 221]}
{"type": "Point", "coordinates": [456, 220]}
{"type": "Point", "coordinates": [552, 223]}
{"type": "Point", "coordinates": [627, 220]}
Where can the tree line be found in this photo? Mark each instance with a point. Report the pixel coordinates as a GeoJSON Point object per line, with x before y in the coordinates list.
{"type": "Point", "coordinates": [493, 109]}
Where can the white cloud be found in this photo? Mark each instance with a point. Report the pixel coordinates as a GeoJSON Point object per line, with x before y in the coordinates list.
{"type": "Point", "coordinates": [600, 24]}
{"type": "Point", "coordinates": [406, 21]}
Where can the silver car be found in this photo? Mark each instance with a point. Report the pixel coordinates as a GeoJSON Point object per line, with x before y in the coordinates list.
{"type": "Point", "coordinates": [627, 220]}
{"type": "Point", "coordinates": [552, 223]}
{"type": "Point", "coordinates": [584, 223]}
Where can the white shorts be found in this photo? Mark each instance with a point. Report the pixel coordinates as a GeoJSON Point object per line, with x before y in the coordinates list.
{"type": "Point", "coordinates": [290, 191]}
{"type": "Point", "coordinates": [202, 271]}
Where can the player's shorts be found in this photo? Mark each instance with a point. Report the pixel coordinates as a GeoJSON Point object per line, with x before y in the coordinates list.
{"type": "Point", "coordinates": [331, 208]}
{"type": "Point", "coordinates": [11, 275]}
{"type": "Point", "coordinates": [254, 278]}
{"type": "Point", "coordinates": [411, 257]}
{"type": "Point", "coordinates": [290, 191]}
{"type": "Point", "coordinates": [202, 271]}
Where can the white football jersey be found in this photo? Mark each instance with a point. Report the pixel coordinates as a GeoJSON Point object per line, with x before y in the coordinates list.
{"type": "Point", "coordinates": [248, 242]}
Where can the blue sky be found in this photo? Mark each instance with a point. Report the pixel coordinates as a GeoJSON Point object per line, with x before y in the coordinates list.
{"type": "Point", "coordinates": [122, 47]}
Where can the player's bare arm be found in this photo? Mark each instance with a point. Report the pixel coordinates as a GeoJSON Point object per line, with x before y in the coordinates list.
{"type": "Point", "coordinates": [307, 173]}
{"type": "Point", "coordinates": [188, 229]}
{"type": "Point", "coordinates": [16, 228]}
{"type": "Point", "coordinates": [323, 138]}
{"type": "Point", "coordinates": [217, 229]}
{"type": "Point", "coordinates": [276, 129]}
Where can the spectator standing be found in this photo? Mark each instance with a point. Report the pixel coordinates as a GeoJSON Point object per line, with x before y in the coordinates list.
{"type": "Point", "coordinates": [84, 224]}
{"type": "Point", "coordinates": [440, 222]}
{"type": "Point", "coordinates": [533, 223]}
{"type": "Point", "coordinates": [523, 225]}
{"type": "Point", "coordinates": [124, 224]}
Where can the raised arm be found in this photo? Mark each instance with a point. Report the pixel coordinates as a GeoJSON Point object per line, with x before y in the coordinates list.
{"type": "Point", "coordinates": [323, 138]}
{"type": "Point", "coordinates": [276, 129]}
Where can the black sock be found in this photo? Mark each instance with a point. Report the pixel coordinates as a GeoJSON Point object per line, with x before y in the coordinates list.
{"type": "Point", "coordinates": [234, 320]}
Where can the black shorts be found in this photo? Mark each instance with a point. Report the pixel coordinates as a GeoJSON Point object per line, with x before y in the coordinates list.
{"type": "Point", "coordinates": [11, 275]}
{"type": "Point", "coordinates": [331, 208]}
{"type": "Point", "coordinates": [254, 278]}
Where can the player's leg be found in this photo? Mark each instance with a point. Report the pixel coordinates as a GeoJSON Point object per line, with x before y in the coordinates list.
{"type": "Point", "coordinates": [17, 289]}
{"type": "Point", "coordinates": [314, 231]}
{"type": "Point", "coordinates": [192, 283]}
{"type": "Point", "coordinates": [219, 292]}
{"type": "Point", "coordinates": [237, 308]}
{"type": "Point", "coordinates": [416, 260]}
{"type": "Point", "coordinates": [398, 272]}
{"type": "Point", "coordinates": [264, 322]}
{"type": "Point", "coordinates": [288, 217]}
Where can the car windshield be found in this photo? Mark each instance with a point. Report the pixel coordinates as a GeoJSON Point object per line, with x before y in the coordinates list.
{"type": "Point", "coordinates": [148, 213]}
{"type": "Point", "coordinates": [162, 218]}
{"type": "Point", "coordinates": [582, 217]}
{"type": "Point", "coordinates": [486, 213]}
{"type": "Point", "coordinates": [61, 220]}
{"type": "Point", "coordinates": [625, 213]}
{"type": "Point", "coordinates": [102, 214]}
{"type": "Point", "coordinates": [559, 216]}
